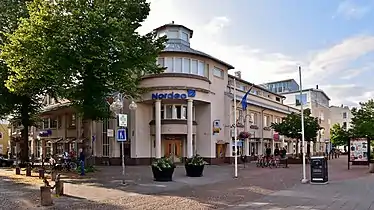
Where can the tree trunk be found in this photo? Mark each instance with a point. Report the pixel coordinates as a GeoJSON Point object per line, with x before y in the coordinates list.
{"type": "Point", "coordinates": [308, 149]}
{"type": "Point", "coordinates": [87, 143]}
{"type": "Point", "coordinates": [25, 120]}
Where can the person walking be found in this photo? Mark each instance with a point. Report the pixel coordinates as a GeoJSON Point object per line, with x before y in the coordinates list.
{"type": "Point", "coordinates": [82, 159]}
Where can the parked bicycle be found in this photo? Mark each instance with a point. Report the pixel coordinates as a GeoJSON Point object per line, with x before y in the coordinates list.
{"type": "Point", "coordinates": [270, 162]}
{"type": "Point", "coordinates": [63, 164]}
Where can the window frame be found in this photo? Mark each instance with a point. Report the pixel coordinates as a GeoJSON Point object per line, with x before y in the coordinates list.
{"type": "Point", "coordinates": [221, 72]}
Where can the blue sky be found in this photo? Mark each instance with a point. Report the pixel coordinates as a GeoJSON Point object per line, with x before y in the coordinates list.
{"type": "Point", "coordinates": [332, 40]}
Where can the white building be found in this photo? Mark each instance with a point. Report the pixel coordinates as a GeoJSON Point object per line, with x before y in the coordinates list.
{"type": "Point", "coordinates": [341, 115]}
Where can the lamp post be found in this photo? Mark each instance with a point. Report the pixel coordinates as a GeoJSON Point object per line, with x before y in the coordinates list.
{"type": "Point", "coordinates": [304, 180]}
{"type": "Point", "coordinates": [116, 107]}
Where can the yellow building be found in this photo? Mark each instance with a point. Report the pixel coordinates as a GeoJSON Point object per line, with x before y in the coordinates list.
{"type": "Point", "coordinates": [4, 138]}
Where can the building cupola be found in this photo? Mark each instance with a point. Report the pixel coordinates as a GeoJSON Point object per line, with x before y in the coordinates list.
{"type": "Point", "coordinates": [176, 34]}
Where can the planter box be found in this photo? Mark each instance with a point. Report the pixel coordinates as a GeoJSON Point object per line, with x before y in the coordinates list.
{"type": "Point", "coordinates": [194, 171]}
{"type": "Point", "coordinates": [166, 175]}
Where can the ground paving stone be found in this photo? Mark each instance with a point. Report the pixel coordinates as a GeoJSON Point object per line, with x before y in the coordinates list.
{"type": "Point", "coordinates": [256, 188]}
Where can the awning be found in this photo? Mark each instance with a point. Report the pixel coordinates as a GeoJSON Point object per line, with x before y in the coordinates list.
{"type": "Point", "coordinates": [67, 140]}
{"type": "Point", "coordinates": [53, 140]}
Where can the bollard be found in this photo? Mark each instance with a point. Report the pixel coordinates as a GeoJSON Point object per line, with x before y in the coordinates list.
{"type": "Point", "coordinates": [46, 196]}
{"type": "Point", "coordinates": [41, 173]}
{"type": "Point", "coordinates": [28, 171]}
{"type": "Point", "coordinates": [18, 170]}
{"type": "Point", "coordinates": [59, 185]}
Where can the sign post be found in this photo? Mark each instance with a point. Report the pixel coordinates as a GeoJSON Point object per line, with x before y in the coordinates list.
{"type": "Point", "coordinates": [121, 137]}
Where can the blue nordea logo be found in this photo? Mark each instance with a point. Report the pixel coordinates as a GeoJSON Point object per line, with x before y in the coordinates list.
{"type": "Point", "coordinates": [172, 95]}
{"type": "Point", "coordinates": [191, 93]}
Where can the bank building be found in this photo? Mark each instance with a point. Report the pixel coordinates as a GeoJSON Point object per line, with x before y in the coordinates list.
{"type": "Point", "coordinates": [188, 110]}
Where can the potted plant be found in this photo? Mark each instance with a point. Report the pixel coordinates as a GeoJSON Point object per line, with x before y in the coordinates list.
{"type": "Point", "coordinates": [244, 135]}
{"type": "Point", "coordinates": [194, 166]}
{"type": "Point", "coordinates": [163, 169]}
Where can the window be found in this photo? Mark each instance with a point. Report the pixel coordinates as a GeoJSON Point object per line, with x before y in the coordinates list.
{"type": "Point", "coordinates": [345, 127]}
{"type": "Point", "coordinates": [161, 62]}
{"type": "Point", "coordinates": [321, 116]}
{"type": "Point", "coordinates": [53, 122]}
{"type": "Point", "coordinates": [254, 118]}
{"type": "Point", "coordinates": [185, 36]}
{"type": "Point", "coordinates": [169, 64]}
{"type": "Point", "coordinates": [178, 65]}
{"type": "Point", "coordinates": [181, 112]}
{"type": "Point", "coordinates": [344, 115]}
{"type": "Point", "coordinates": [194, 67]}
{"type": "Point", "coordinates": [169, 111]}
{"type": "Point", "coordinates": [239, 115]}
{"type": "Point", "coordinates": [277, 99]}
{"type": "Point", "coordinates": [72, 121]}
{"type": "Point", "coordinates": [173, 34]}
{"type": "Point", "coordinates": [266, 121]}
{"type": "Point", "coordinates": [59, 149]}
{"type": "Point", "coordinates": [1, 135]}
{"type": "Point", "coordinates": [186, 65]}
{"type": "Point", "coordinates": [218, 72]}
{"type": "Point", "coordinates": [38, 148]}
{"type": "Point", "coordinates": [59, 121]}
{"type": "Point", "coordinates": [201, 70]}
{"type": "Point", "coordinates": [106, 139]}
{"type": "Point", "coordinates": [299, 100]}
{"type": "Point", "coordinates": [45, 123]}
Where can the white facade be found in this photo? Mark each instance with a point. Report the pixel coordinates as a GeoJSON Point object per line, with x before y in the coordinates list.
{"type": "Point", "coordinates": [341, 115]}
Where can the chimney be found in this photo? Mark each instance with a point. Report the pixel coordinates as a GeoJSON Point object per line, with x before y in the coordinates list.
{"type": "Point", "coordinates": [317, 87]}
{"type": "Point", "coordinates": [172, 22]}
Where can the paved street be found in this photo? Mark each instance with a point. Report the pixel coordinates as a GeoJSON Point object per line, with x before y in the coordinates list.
{"type": "Point", "coordinates": [256, 188]}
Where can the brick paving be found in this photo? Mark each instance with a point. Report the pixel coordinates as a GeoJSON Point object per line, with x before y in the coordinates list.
{"type": "Point", "coordinates": [216, 190]}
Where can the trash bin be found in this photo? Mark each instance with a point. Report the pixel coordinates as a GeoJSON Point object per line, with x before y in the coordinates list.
{"type": "Point", "coordinates": [318, 170]}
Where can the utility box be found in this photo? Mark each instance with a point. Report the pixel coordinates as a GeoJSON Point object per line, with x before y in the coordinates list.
{"type": "Point", "coordinates": [318, 170]}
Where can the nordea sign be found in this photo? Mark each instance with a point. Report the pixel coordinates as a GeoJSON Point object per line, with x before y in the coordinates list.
{"type": "Point", "coordinates": [172, 95]}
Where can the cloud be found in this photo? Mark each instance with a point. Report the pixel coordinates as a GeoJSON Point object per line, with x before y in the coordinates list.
{"type": "Point", "coordinates": [349, 9]}
{"type": "Point", "coordinates": [259, 65]}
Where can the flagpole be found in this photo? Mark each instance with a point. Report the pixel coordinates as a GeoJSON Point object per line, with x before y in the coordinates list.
{"type": "Point", "coordinates": [304, 180]}
{"type": "Point", "coordinates": [235, 134]}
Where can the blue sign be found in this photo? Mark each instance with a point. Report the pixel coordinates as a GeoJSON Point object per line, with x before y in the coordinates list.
{"type": "Point", "coordinates": [121, 135]}
{"type": "Point", "coordinates": [172, 95]}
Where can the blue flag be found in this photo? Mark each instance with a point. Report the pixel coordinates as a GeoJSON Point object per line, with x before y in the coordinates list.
{"type": "Point", "coordinates": [244, 99]}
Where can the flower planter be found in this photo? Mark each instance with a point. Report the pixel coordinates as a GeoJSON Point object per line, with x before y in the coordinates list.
{"type": "Point", "coordinates": [165, 175]}
{"type": "Point", "coordinates": [194, 170]}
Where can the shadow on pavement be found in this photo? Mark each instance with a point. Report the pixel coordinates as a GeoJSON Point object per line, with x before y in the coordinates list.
{"type": "Point", "coordinates": [15, 195]}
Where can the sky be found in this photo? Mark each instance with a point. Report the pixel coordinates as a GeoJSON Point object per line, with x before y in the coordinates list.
{"type": "Point", "coordinates": [332, 41]}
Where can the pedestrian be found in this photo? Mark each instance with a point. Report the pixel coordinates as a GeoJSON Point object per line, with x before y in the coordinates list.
{"type": "Point", "coordinates": [284, 156]}
{"type": "Point", "coordinates": [276, 151]}
{"type": "Point", "coordinates": [82, 159]}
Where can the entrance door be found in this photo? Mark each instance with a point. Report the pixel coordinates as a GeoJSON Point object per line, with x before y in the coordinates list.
{"type": "Point", "coordinates": [173, 149]}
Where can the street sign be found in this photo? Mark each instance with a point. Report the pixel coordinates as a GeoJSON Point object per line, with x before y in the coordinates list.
{"type": "Point", "coordinates": [110, 132]}
{"type": "Point", "coordinates": [121, 135]}
{"type": "Point", "coordinates": [122, 120]}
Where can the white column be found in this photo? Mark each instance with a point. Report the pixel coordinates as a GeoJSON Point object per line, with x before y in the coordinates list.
{"type": "Point", "coordinates": [189, 128]}
{"type": "Point", "coordinates": [158, 128]}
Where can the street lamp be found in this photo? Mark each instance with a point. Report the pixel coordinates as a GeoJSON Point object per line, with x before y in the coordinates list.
{"type": "Point", "coordinates": [116, 107]}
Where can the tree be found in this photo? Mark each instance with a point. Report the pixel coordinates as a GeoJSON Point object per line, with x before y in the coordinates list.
{"type": "Point", "coordinates": [291, 127]}
{"type": "Point", "coordinates": [363, 120]}
{"type": "Point", "coordinates": [83, 51]}
{"type": "Point", "coordinates": [21, 108]}
{"type": "Point", "coordinates": [339, 136]}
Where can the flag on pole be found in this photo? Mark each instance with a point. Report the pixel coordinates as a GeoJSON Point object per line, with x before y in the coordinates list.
{"type": "Point", "coordinates": [244, 99]}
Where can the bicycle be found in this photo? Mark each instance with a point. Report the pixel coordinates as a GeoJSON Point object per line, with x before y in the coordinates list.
{"type": "Point", "coordinates": [274, 162]}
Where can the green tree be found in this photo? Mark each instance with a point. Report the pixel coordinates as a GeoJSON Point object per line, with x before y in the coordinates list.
{"type": "Point", "coordinates": [291, 127]}
{"type": "Point", "coordinates": [339, 136]}
{"type": "Point", "coordinates": [83, 51]}
{"type": "Point", "coordinates": [363, 120]}
{"type": "Point", "coordinates": [21, 108]}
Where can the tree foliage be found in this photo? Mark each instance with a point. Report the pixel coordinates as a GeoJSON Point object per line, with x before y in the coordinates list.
{"type": "Point", "coordinates": [83, 51]}
{"type": "Point", "coordinates": [363, 120]}
{"type": "Point", "coordinates": [338, 135]}
{"type": "Point", "coordinates": [291, 126]}
{"type": "Point", "coordinates": [21, 107]}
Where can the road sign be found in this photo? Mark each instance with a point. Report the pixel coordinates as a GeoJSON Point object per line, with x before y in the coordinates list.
{"type": "Point", "coordinates": [122, 120]}
{"type": "Point", "coordinates": [121, 135]}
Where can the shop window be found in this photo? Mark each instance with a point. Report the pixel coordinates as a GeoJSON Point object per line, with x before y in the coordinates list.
{"type": "Point", "coordinates": [170, 111]}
